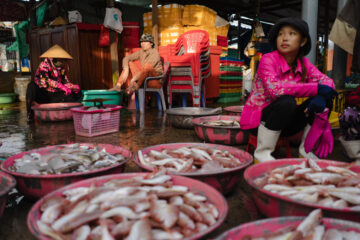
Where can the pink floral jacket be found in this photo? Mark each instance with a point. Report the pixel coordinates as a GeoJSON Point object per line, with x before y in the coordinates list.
{"type": "Point", "coordinates": [53, 78]}
{"type": "Point", "coordinates": [274, 78]}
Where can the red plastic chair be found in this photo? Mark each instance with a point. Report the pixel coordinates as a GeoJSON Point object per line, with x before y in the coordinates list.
{"type": "Point", "coordinates": [190, 64]}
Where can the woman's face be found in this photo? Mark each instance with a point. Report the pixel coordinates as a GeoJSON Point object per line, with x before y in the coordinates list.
{"type": "Point", "coordinates": [146, 45]}
{"type": "Point", "coordinates": [58, 62]}
{"type": "Point", "coordinates": [289, 41]}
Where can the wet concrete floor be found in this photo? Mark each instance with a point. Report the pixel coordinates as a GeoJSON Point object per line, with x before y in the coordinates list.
{"type": "Point", "coordinates": [136, 132]}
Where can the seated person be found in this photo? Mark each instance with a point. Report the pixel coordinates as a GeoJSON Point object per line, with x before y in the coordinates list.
{"type": "Point", "coordinates": [132, 78]}
{"type": "Point", "coordinates": [283, 75]}
{"type": "Point", "coordinates": [51, 84]}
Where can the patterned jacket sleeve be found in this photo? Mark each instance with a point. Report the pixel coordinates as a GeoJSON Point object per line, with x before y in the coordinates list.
{"type": "Point", "coordinates": [273, 87]}
{"type": "Point", "coordinates": [132, 57]}
{"type": "Point", "coordinates": [315, 76]}
{"type": "Point", "coordinates": [42, 76]}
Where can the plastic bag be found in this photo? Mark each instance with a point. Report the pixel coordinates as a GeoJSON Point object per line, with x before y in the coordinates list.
{"type": "Point", "coordinates": [113, 19]}
{"type": "Point", "coordinates": [350, 124]}
{"type": "Point", "coordinates": [247, 82]}
{"type": "Point", "coordinates": [104, 38]}
{"type": "Point", "coordinates": [74, 16]}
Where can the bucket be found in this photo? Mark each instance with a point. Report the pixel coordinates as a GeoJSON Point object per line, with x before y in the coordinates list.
{"type": "Point", "coordinates": [21, 83]}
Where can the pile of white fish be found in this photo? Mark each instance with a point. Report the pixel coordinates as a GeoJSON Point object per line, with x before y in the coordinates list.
{"type": "Point", "coordinates": [225, 123]}
{"type": "Point", "coordinates": [331, 186]}
{"type": "Point", "coordinates": [195, 158]}
{"type": "Point", "coordinates": [310, 228]}
{"type": "Point", "coordinates": [66, 159]}
{"type": "Point", "coordinates": [134, 208]}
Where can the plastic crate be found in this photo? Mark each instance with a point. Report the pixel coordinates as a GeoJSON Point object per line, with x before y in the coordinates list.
{"type": "Point", "coordinates": [96, 122]}
{"type": "Point", "coordinates": [115, 98]}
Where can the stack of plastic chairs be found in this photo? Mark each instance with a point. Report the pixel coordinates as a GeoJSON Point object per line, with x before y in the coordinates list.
{"type": "Point", "coordinates": [189, 59]}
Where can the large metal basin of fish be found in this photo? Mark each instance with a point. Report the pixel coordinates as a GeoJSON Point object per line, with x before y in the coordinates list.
{"type": "Point", "coordinates": [182, 117]}
{"type": "Point", "coordinates": [34, 186]}
{"type": "Point", "coordinates": [7, 182]}
{"type": "Point", "coordinates": [224, 180]}
{"type": "Point", "coordinates": [199, 189]}
{"type": "Point", "coordinates": [300, 201]}
{"type": "Point", "coordinates": [234, 110]}
{"type": "Point", "coordinates": [55, 111]}
{"type": "Point", "coordinates": [262, 227]}
{"type": "Point", "coordinates": [220, 129]}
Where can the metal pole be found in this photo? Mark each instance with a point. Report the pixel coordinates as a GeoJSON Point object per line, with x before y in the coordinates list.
{"type": "Point", "coordinates": [309, 14]}
{"type": "Point", "coordinates": [340, 58]}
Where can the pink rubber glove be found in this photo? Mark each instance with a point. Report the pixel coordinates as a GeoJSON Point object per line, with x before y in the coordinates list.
{"type": "Point", "coordinates": [65, 89]}
{"type": "Point", "coordinates": [326, 142]}
{"type": "Point", "coordinates": [316, 130]}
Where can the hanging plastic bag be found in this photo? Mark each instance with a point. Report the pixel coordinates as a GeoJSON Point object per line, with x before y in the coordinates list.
{"type": "Point", "coordinates": [74, 16]}
{"type": "Point", "coordinates": [104, 38]}
{"type": "Point", "coordinates": [113, 19]}
{"type": "Point", "coordinates": [247, 82]}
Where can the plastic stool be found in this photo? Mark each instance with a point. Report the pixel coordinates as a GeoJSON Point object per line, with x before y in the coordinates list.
{"type": "Point", "coordinates": [283, 141]}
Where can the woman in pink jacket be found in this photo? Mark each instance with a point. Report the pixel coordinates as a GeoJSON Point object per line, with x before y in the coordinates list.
{"type": "Point", "coordinates": [282, 76]}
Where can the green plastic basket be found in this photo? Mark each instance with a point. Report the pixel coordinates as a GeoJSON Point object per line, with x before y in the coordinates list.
{"type": "Point", "coordinates": [114, 96]}
{"type": "Point", "coordinates": [229, 99]}
{"type": "Point", "coordinates": [225, 95]}
{"type": "Point", "coordinates": [231, 68]}
{"type": "Point", "coordinates": [231, 78]}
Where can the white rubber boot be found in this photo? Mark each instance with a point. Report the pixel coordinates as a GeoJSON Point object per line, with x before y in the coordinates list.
{"type": "Point", "coordinates": [302, 153]}
{"type": "Point", "coordinates": [266, 143]}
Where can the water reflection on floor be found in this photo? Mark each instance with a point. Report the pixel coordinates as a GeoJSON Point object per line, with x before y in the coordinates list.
{"type": "Point", "coordinates": [136, 132]}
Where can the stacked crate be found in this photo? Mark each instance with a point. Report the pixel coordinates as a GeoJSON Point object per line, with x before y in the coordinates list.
{"type": "Point", "coordinates": [197, 17]}
{"type": "Point", "coordinates": [170, 23]}
{"type": "Point", "coordinates": [230, 80]}
{"type": "Point", "coordinates": [223, 42]}
{"type": "Point", "coordinates": [175, 19]}
{"type": "Point", "coordinates": [222, 29]}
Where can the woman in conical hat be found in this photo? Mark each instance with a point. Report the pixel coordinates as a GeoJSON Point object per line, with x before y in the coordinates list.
{"type": "Point", "coordinates": [51, 82]}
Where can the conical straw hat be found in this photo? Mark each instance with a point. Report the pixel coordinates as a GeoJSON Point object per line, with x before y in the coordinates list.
{"type": "Point", "coordinates": [56, 52]}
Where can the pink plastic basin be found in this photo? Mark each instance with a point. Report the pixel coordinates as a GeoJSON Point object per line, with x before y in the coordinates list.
{"type": "Point", "coordinates": [274, 205]}
{"type": "Point", "coordinates": [7, 182]}
{"type": "Point", "coordinates": [220, 134]}
{"type": "Point", "coordinates": [35, 186]}
{"type": "Point", "coordinates": [223, 181]}
{"type": "Point", "coordinates": [55, 111]}
{"type": "Point", "coordinates": [234, 110]}
{"type": "Point", "coordinates": [195, 186]}
{"type": "Point", "coordinates": [261, 227]}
